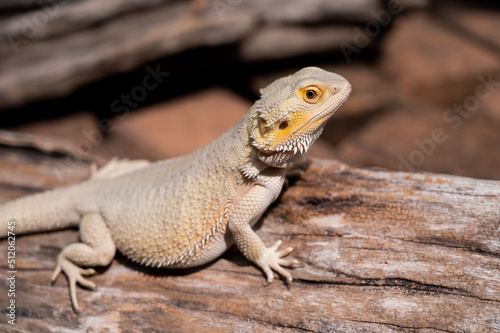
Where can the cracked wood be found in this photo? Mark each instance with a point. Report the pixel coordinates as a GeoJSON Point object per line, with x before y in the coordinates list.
{"type": "Point", "coordinates": [380, 251]}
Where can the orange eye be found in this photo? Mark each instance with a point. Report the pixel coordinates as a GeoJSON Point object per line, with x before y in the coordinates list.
{"type": "Point", "coordinates": [311, 94]}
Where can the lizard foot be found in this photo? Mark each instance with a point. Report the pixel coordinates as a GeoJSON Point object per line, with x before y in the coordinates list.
{"type": "Point", "coordinates": [271, 260]}
{"type": "Point", "coordinates": [74, 274]}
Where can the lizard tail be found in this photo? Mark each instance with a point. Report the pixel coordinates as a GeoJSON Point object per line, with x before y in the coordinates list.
{"type": "Point", "coordinates": [51, 210]}
{"type": "Point", "coordinates": [54, 210]}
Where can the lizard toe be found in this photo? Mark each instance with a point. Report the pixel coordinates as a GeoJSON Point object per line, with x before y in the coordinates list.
{"type": "Point", "coordinates": [57, 272]}
{"type": "Point", "coordinates": [288, 262]}
{"type": "Point", "coordinates": [281, 271]}
{"type": "Point", "coordinates": [271, 261]}
{"type": "Point", "coordinates": [269, 275]}
{"type": "Point", "coordinates": [75, 275]}
{"type": "Point", "coordinates": [285, 252]}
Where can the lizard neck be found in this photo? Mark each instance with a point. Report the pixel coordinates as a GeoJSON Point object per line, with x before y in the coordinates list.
{"type": "Point", "coordinates": [235, 150]}
{"type": "Point", "coordinates": [254, 160]}
{"type": "Point", "coordinates": [249, 163]}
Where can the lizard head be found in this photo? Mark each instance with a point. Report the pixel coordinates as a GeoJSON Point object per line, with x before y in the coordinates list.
{"type": "Point", "coordinates": [293, 111]}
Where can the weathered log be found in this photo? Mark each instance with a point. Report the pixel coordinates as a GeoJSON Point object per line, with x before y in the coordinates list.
{"type": "Point", "coordinates": [53, 48]}
{"type": "Point", "coordinates": [380, 251]}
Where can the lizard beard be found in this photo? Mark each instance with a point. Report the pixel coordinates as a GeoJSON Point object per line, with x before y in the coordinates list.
{"type": "Point", "coordinates": [293, 152]}
{"type": "Point", "coordinates": [281, 159]}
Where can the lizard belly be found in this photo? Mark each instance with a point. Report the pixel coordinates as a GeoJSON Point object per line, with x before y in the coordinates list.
{"type": "Point", "coordinates": [161, 236]}
{"type": "Point", "coordinates": [176, 226]}
{"type": "Point", "coordinates": [271, 183]}
{"type": "Point", "coordinates": [163, 240]}
{"type": "Point", "coordinates": [214, 249]}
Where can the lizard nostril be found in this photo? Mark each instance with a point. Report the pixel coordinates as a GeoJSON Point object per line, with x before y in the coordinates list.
{"type": "Point", "coordinates": [283, 125]}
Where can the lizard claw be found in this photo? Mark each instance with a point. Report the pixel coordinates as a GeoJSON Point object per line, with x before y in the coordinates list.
{"type": "Point", "coordinates": [74, 274]}
{"type": "Point", "coordinates": [271, 260]}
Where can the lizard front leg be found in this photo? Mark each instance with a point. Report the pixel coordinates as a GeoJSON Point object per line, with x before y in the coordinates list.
{"type": "Point", "coordinates": [97, 249]}
{"type": "Point", "coordinates": [246, 213]}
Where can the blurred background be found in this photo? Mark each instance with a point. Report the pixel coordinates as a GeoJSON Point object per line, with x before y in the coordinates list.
{"type": "Point", "coordinates": [155, 79]}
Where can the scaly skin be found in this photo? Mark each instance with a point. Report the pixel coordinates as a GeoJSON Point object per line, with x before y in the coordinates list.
{"type": "Point", "coordinates": [187, 211]}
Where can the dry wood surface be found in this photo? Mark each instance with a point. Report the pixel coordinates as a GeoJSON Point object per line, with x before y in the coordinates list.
{"type": "Point", "coordinates": [380, 252]}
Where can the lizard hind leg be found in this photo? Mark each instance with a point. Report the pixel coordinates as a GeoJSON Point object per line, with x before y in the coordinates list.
{"type": "Point", "coordinates": [97, 249]}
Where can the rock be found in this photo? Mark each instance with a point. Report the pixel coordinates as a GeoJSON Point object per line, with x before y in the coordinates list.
{"type": "Point", "coordinates": [430, 61]}
{"type": "Point", "coordinates": [321, 149]}
{"type": "Point", "coordinates": [285, 42]}
{"type": "Point", "coordinates": [82, 136]}
{"type": "Point", "coordinates": [50, 19]}
{"type": "Point", "coordinates": [180, 126]}
{"type": "Point", "coordinates": [18, 4]}
{"type": "Point", "coordinates": [491, 103]}
{"type": "Point", "coordinates": [52, 49]}
{"type": "Point", "coordinates": [75, 127]}
{"type": "Point", "coordinates": [479, 24]}
{"type": "Point", "coordinates": [47, 69]}
{"type": "Point", "coordinates": [288, 12]}
{"type": "Point", "coordinates": [371, 92]}
{"type": "Point", "coordinates": [425, 137]}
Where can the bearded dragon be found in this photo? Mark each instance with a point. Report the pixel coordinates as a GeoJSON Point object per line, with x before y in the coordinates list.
{"type": "Point", "coordinates": [186, 211]}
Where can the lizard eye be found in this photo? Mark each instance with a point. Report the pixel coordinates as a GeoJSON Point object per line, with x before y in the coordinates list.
{"type": "Point", "coordinates": [312, 94]}
{"type": "Point", "coordinates": [283, 125]}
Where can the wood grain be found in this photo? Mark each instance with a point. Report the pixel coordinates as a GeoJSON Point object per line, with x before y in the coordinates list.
{"type": "Point", "coordinates": [380, 252]}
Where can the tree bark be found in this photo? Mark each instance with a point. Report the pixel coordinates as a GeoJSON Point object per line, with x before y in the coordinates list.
{"type": "Point", "coordinates": [380, 251]}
